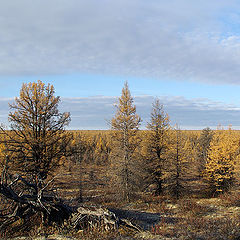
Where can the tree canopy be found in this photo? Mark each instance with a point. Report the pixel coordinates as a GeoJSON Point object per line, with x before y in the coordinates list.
{"type": "Point", "coordinates": [37, 139]}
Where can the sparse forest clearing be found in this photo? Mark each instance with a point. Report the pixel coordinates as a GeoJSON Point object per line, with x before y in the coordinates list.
{"type": "Point", "coordinates": [119, 120]}
{"type": "Point", "coordinates": [124, 183]}
{"type": "Point", "coordinates": [196, 214]}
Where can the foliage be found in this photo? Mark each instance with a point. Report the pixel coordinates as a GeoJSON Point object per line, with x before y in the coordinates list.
{"type": "Point", "coordinates": [222, 156]}
{"type": "Point", "coordinates": [37, 139]}
{"type": "Point", "coordinates": [125, 126]}
{"type": "Point", "coordinates": [171, 159]}
{"type": "Point", "coordinates": [156, 145]}
{"type": "Point", "coordinates": [91, 147]}
{"type": "Point", "coordinates": [203, 145]}
{"type": "Point", "coordinates": [178, 164]}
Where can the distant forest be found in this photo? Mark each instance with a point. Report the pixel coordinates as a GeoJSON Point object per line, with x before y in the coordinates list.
{"type": "Point", "coordinates": [122, 164]}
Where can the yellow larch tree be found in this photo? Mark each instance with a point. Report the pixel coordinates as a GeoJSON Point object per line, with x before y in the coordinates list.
{"type": "Point", "coordinates": [221, 159]}
{"type": "Point", "coordinates": [125, 125]}
{"type": "Point", "coordinates": [37, 139]}
{"type": "Point", "coordinates": [102, 149]}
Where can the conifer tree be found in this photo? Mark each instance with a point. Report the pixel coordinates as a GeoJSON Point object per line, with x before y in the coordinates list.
{"type": "Point", "coordinates": [202, 149]}
{"type": "Point", "coordinates": [157, 145]}
{"type": "Point", "coordinates": [125, 125]}
{"type": "Point", "coordinates": [37, 139]}
{"type": "Point", "coordinates": [102, 150]}
{"type": "Point", "coordinates": [178, 162]}
{"type": "Point", "coordinates": [222, 156]}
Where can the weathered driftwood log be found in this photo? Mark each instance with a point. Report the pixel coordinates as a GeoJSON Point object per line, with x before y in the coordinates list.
{"type": "Point", "coordinates": [94, 217]}
{"type": "Point", "coordinates": [97, 217]}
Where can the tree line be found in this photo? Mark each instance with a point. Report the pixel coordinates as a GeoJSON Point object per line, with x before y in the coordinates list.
{"type": "Point", "coordinates": [160, 160]}
{"type": "Point", "coordinates": [163, 159]}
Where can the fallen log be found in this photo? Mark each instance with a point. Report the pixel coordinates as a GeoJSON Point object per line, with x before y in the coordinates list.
{"type": "Point", "coordinates": [28, 200]}
{"type": "Point", "coordinates": [93, 217]}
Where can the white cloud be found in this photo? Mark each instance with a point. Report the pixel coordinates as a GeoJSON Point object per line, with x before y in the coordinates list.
{"type": "Point", "coordinates": [96, 112]}
{"type": "Point", "coordinates": [180, 39]}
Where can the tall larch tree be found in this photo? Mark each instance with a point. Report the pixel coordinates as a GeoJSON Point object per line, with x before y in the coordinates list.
{"type": "Point", "coordinates": [156, 145]}
{"type": "Point", "coordinates": [125, 125]}
{"type": "Point", "coordinates": [221, 159]}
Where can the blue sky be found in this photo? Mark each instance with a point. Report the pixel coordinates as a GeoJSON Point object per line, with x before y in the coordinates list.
{"type": "Point", "coordinates": [89, 85]}
{"type": "Point", "coordinates": [185, 52]}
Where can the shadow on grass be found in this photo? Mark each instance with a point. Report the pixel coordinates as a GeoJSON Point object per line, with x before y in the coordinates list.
{"type": "Point", "coordinates": [144, 220]}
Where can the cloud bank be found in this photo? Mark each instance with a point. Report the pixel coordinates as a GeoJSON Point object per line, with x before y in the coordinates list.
{"type": "Point", "coordinates": [96, 112]}
{"type": "Point", "coordinates": [179, 39]}
{"type": "Point", "coordinates": [91, 113]}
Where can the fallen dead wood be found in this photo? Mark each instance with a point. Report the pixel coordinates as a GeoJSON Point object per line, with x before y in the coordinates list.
{"type": "Point", "coordinates": [94, 217]}
{"type": "Point", "coordinates": [28, 199]}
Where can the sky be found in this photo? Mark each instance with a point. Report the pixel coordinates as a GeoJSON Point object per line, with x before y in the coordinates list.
{"type": "Point", "coordinates": [185, 52]}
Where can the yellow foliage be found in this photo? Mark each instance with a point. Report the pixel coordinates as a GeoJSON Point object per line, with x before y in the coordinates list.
{"type": "Point", "coordinates": [222, 156]}
{"type": "Point", "coordinates": [37, 139]}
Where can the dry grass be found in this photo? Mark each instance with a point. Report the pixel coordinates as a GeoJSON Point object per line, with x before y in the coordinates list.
{"type": "Point", "coordinates": [231, 199]}
{"type": "Point", "coordinates": [193, 208]}
{"type": "Point", "coordinates": [205, 220]}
